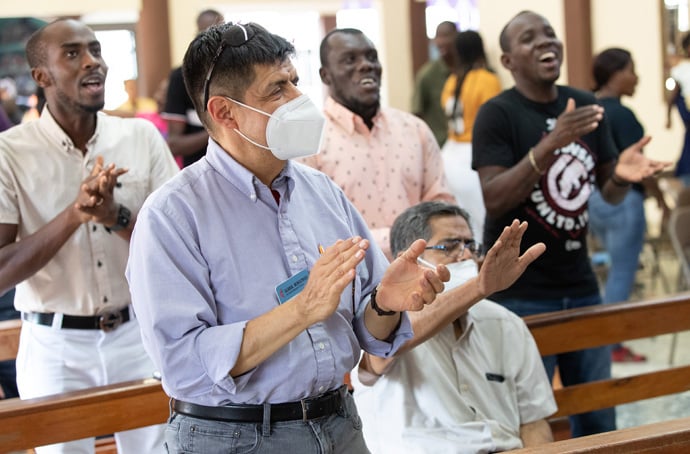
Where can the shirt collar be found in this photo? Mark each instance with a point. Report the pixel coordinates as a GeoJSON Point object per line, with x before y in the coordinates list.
{"type": "Point", "coordinates": [350, 121]}
{"type": "Point", "coordinates": [466, 324]}
{"type": "Point", "coordinates": [243, 179]}
{"type": "Point", "coordinates": [59, 136]}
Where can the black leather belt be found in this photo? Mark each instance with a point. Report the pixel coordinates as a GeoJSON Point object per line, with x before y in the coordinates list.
{"type": "Point", "coordinates": [107, 321]}
{"type": "Point", "coordinates": [306, 409]}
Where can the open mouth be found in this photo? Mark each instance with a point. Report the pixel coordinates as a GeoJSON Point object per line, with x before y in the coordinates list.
{"type": "Point", "coordinates": [93, 84]}
{"type": "Point", "coordinates": [369, 82]}
{"type": "Point", "coordinates": [547, 57]}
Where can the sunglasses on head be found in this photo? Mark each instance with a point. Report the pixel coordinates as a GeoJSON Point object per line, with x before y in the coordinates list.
{"type": "Point", "coordinates": [235, 36]}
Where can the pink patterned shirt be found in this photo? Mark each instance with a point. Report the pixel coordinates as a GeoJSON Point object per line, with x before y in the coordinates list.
{"type": "Point", "coordinates": [385, 170]}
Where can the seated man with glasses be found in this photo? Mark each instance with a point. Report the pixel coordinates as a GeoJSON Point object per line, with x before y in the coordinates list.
{"type": "Point", "coordinates": [470, 380]}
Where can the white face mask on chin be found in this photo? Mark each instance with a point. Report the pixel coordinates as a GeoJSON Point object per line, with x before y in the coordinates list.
{"type": "Point", "coordinates": [461, 272]}
{"type": "Point", "coordinates": [294, 130]}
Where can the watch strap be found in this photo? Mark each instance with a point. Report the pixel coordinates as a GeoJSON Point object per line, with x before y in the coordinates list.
{"type": "Point", "coordinates": [124, 217]}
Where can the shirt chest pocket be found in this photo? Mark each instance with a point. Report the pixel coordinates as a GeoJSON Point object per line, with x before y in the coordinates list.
{"type": "Point", "coordinates": [131, 192]}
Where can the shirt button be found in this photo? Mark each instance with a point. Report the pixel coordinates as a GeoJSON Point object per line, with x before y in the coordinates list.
{"type": "Point", "coordinates": [320, 389]}
{"type": "Point", "coordinates": [294, 258]}
{"type": "Point", "coordinates": [95, 228]}
{"type": "Point", "coordinates": [464, 388]}
{"type": "Point", "coordinates": [252, 197]}
{"type": "Point", "coordinates": [99, 264]}
{"type": "Point", "coordinates": [321, 346]}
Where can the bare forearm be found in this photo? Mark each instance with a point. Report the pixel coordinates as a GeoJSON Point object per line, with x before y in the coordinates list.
{"type": "Point", "coordinates": [22, 259]}
{"type": "Point", "coordinates": [380, 326]}
{"type": "Point", "coordinates": [614, 189]}
{"type": "Point", "coordinates": [426, 323]}
{"type": "Point", "coordinates": [536, 433]}
{"type": "Point", "coordinates": [505, 189]}
{"type": "Point", "coordinates": [448, 307]}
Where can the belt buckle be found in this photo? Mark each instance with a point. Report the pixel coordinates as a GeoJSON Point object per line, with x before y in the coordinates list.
{"type": "Point", "coordinates": [304, 404]}
{"type": "Point", "coordinates": [110, 321]}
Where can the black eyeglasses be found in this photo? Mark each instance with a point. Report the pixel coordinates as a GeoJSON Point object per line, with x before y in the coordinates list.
{"type": "Point", "coordinates": [235, 36]}
{"type": "Point", "coordinates": [449, 247]}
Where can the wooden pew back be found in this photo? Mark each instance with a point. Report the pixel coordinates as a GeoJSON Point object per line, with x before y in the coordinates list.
{"type": "Point", "coordinates": [25, 424]}
{"type": "Point", "coordinates": [575, 329]}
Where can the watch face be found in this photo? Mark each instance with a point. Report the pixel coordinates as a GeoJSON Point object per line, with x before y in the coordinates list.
{"type": "Point", "coordinates": [123, 218]}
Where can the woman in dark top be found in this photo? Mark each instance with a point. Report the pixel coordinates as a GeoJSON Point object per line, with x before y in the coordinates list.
{"type": "Point", "coordinates": [620, 228]}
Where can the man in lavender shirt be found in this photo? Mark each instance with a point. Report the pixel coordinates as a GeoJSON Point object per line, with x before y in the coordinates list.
{"type": "Point", "coordinates": [255, 280]}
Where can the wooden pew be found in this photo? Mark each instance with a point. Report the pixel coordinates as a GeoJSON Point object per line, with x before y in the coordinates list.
{"type": "Point", "coordinates": [25, 424]}
{"type": "Point", "coordinates": [104, 410]}
{"type": "Point", "coordinates": [9, 339]}
{"type": "Point", "coordinates": [575, 329]}
{"type": "Point", "coordinates": [668, 437]}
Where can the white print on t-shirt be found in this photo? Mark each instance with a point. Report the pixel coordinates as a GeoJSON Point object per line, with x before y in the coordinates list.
{"type": "Point", "coordinates": [560, 197]}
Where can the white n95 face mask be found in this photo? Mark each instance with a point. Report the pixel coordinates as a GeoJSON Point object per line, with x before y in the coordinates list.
{"type": "Point", "coordinates": [461, 272]}
{"type": "Point", "coordinates": [294, 130]}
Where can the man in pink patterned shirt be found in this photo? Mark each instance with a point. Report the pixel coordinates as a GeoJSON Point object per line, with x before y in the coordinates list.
{"type": "Point", "coordinates": [384, 159]}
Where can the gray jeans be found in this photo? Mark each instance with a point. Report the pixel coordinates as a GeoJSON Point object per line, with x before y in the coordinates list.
{"type": "Point", "coordinates": [338, 433]}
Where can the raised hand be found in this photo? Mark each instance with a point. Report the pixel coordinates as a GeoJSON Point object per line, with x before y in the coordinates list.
{"type": "Point", "coordinates": [407, 286]}
{"type": "Point", "coordinates": [575, 122]}
{"type": "Point", "coordinates": [503, 264]}
{"type": "Point", "coordinates": [95, 198]}
{"type": "Point", "coordinates": [633, 166]}
{"type": "Point", "coordinates": [329, 276]}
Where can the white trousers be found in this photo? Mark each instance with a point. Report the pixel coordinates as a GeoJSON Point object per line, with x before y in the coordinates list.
{"type": "Point", "coordinates": [464, 183]}
{"type": "Point", "coordinates": [52, 361]}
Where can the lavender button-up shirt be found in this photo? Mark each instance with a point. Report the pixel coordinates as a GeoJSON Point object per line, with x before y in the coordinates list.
{"type": "Point", "coordinates": [208, 251]}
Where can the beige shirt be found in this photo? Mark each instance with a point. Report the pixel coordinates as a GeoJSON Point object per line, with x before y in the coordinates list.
{"type": "Point", "coordinates": [468, 395]}
{"type": "Point", "coordinates": [40, 175]}
{"type": "Point", "coordinates": [385, 170]}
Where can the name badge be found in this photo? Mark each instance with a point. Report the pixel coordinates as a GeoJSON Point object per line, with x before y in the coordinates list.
{"type": "Point", "coordinates": [292, 286]}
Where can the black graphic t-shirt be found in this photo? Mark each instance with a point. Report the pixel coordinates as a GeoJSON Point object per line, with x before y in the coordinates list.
{"type": "Point", "coordinates": [507, 126]}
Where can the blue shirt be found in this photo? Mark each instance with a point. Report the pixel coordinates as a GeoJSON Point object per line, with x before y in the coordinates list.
{"type": "Point", "coordinates": [207, 253]}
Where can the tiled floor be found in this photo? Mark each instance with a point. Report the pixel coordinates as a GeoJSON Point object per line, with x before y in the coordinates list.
{"type": "Point", "coordinates": [657, 276]}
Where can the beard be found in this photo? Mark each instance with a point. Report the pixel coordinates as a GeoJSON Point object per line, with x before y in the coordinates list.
{"type": "Point", "coordinates": [365, 110]}
{"type": "Point", "coordinates": [67, 101]}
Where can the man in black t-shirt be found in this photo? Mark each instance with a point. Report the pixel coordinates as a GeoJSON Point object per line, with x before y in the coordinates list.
{"type": "Point", "coordinates": [539, 148]}
{"type": "Point", "coordinates": [187, 137]}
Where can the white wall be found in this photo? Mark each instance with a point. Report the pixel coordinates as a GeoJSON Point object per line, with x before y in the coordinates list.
{"type": "Point", "coordinates": [641, 35]}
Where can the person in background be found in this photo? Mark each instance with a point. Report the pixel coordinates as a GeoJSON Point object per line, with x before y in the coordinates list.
{"type": "Point", "coordinates": [8, 370]}
{"type": "Point", "coordinates": [134, 104]}
{"type": "Point", "coordinates": [155, 116]}
{"type": "Point", "coordinates": [621, 227]}
{"type": "Point", "coordinates": [5, 122]}
{"type": "Point", "coordinates": [679, 97]}
{"type": "Point", "coordinates": [384, 159]}
{"type": "Point", "coordinates": [539, 148]}
{"type": "Point", "coordinates": [470, 380]}
{"type": "Point", "coordinates": [430, 79]}
{"type": "Point", "coordinates": [472, 84]}
{"type": "Point", "coordinates": [8, 100]}
{"type": "Point", "coordinates": [255, 361]}
{"type": "Point", "coordinates": [71, 184]}
{"type": "Point", "coordinates": [187, 136]}
{"type": "Point", "coordinates": [682, 170]}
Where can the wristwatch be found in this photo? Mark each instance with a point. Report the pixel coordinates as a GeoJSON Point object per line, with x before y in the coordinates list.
{"type": "Point", "coordinates": [124, 216]}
